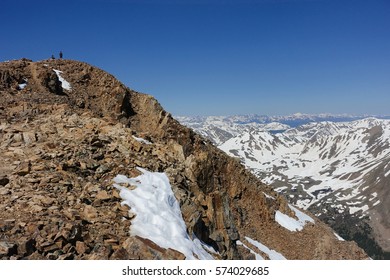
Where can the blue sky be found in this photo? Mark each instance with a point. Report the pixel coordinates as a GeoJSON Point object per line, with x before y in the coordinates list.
{"type": "Point", "coordinates": [220, 57]}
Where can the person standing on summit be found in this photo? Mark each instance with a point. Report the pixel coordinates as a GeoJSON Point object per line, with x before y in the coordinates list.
{"type": "Point", "coordinates": [60, 54]}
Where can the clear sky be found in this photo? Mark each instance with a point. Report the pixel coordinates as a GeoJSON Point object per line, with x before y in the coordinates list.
{"type": "Point", "coordinates": [219, 57]}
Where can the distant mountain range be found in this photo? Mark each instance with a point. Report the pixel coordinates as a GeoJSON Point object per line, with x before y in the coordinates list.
{"type": "Point", "coordinates": [221, 128]}
{"type": "Point", "coordinates": [336, 166]}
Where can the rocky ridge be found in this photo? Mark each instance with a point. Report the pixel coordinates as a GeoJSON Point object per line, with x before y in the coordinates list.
{"type": "Point", "coordinates": [61, 148]}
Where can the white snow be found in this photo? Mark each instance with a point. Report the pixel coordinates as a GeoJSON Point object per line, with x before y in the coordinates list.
{"type": "Point", "coordinates": [376, 203]}
{"type": "Point", "coordinates": [353, 210]}
{"type": "Point", "coordinates": [281, 189]}
{"type": "Point", "coordinates": [276, 126]}
{"type": "Point", "coordinates": [203, 245]}
{"type": "Point", "coordinates": [374, 195]}
{"type": "Point", "coordinates": [23, 85]}
{"type": "Point", "coordinates": [272, 254]}
{"type": "Point", "coordinates": [158, 215]}
{"type": "Point", "coordinates": [303, 203]}
{"type": "Point", "coordinates": [65, 84]}
{"type": "Point", "coordinates": [290, 223]}
{"type": "Point", "coordinates": [141, 140]}
{"type": "Point", "coordinates": [268, 196]}
{"type": "Point", "coordinates": [335, 156]}
{"type": "Point", "coordinates": [257, 256]}
{"type": "Point", "coordinates": [338, 237]}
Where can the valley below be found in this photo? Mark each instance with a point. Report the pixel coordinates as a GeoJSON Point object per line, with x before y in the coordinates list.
{"type": "Point", "coordinates": [337, 167]}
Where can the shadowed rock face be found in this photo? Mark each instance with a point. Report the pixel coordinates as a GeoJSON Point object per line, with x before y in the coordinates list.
{"type": "Point", "coordinates": [61, 149]}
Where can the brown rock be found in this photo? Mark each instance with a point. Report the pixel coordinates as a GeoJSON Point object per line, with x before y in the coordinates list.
{"type": "Point", "coordinates": [67, 256]}
{"type": "Point", "coordinates": [135, 246]}
{"type": "Point", "coordinates": [32, 228]}
{"type": "Point", "coordinates": [3, 180]}
{"type": "Point", "coordinates": [171, 254]}
{"type": "Point", "coordinates": [64, 232]}
{"type": "Point", "coordinates": [36, 208]}
{"type": "Point", "coordinates": [72, 214]}
{"type": "Point", "coordinates": [115, 193]}
{"type": "Point", "coordinates": [120, 254]}
{"type": "Point", "coordinates": [29, 137]}
{"type": "Point", "coordinates": [51, 247]}
{"type": "Point", "coordinates": [89, 214]}
{"type": "Point", "coordinates": [102, 195]}
{"type": "Point", "coordinates": [36, 256]}
{"type": "Point", "coordinates": [26, 247]}
{"type": "Point", "coordinates": [80, 247]}
{"type": "Point", "coordinates": [100, 252]}
{"type": "Point", "coordinates": [7, 249]}
{"type": "Point", "coordinates": [47, 201]}
{"type": "Point", "coordinates": [24, 169]}
{"type": "Point", "coordinates": [5, 191]}
{"type": "Point", "coordinates": [76, 233]}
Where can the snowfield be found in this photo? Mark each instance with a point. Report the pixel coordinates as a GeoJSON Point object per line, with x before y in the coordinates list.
{"type": "Point", "coordinates": [290, 223]}
{"type": "Point", "coordinates": [327, 161]}
{"type": "Point", "coordinates": [335, 166]}
{"type": "Point", "coordinates": [272, 254]}
{"type": "Point", "coordinates": [157, 214]}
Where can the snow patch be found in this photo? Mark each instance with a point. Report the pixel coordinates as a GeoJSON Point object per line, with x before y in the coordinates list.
{"type": "Point", "coordinates": [353, 210]}
{"type": "Point", "coordinates": [268, 196]}
{"type": "Point", "coordinates": [141, 140]}
{"type": "Point", "coordinates": [290, 223]}
{"type": "Point", "coordinates": [272, 254]}
{"type": "Point", "coordinates": [65, 84]}
{"type": "Point", "coordinates": [200, 244]}
{"type": "Point", "coordinates": [158, 215]}
{"type": "Point", "coordinates": [23, 85]}
{"type": "Point", "coordinates": [338, 237]}
{"type": "Point", "coordinates": [280, 189]}
{"type": "Point", "coordinates": [257, 256]}
{"type": "Point", "coordinates": [376, 203]}
{"type": "Point", "coordinates": [374, 195]}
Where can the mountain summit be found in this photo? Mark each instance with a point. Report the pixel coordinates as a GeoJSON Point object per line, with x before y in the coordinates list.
{"type": "Point", "coordinates": [91, 169]}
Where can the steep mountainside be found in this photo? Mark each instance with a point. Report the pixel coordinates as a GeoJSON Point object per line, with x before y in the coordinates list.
{"type": "Point", "coordinates": [338, 171]}
{"type": "Point", "coordinates": [93, 170]}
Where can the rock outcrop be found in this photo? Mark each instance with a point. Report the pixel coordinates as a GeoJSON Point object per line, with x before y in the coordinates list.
{"type": "Point", "coordinates": [61, 148]}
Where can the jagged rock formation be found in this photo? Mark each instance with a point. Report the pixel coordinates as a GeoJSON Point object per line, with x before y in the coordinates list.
{"type": "Point", "coordinates": [61, 148]}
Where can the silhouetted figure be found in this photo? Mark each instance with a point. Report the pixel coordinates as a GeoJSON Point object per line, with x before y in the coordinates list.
{"type": "Point", "coordinates": [60, 54]}
{"type": "Point", "coordinates": [52, 57]}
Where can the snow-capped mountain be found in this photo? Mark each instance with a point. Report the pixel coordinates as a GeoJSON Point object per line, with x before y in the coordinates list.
{"type": "Point", "coordinates": [340, 171]}
{"type": "Point", "coordinates": [220, 129]}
